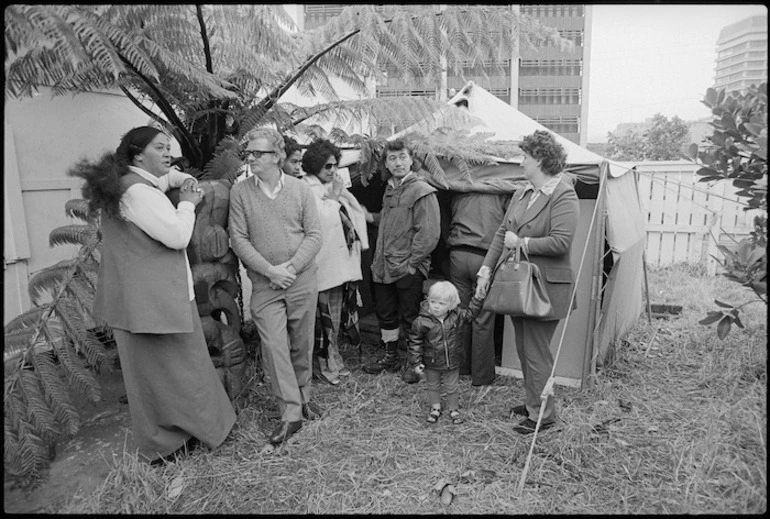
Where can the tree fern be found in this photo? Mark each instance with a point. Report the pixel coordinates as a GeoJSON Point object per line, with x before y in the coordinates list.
{"type": "Point", "coordinates": [37, 402]}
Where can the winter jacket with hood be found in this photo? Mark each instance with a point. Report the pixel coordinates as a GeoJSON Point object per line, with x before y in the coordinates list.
{"type": "Point", "coordinates": [436, 344]}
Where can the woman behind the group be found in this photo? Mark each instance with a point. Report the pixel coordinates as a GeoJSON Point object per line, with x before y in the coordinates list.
{"type": "Point", "coordinates": [541, 219]}
{"type": "Point", "coordinates": [145, 294]}
{"type": "Point", "coordinates": [343, 226]}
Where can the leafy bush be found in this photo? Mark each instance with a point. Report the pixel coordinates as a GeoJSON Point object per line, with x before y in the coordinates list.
{"type": "Point", "coordinates": [738, 153]}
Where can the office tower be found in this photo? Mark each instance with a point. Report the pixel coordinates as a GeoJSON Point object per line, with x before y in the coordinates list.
{"type": "Point", "coordinates": [742, 54]}
{"type": "Point", "coordinates": [549, 85]}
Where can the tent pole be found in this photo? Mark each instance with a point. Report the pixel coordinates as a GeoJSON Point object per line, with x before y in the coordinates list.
{"type": "Point", "coordinates": [594, 314]}
{"type": "Point", "coordinates": [646, 287]}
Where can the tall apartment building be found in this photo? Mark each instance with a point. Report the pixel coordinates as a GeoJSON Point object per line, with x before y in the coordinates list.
{"type": "Point", "coordinates": [547, 84]}
{"type": "Point", "coordinates": [742, 54]}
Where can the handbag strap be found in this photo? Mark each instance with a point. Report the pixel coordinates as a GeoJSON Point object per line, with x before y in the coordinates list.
{"type": "Point", "coordinates": [515, 252]}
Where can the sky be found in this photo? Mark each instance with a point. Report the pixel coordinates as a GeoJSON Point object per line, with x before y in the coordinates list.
{"type": "Point", "coordinates": [648, 59]}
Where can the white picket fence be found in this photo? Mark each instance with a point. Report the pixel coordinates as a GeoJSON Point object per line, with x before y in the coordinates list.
{"type": "Point", "coordinates": [686, 218]}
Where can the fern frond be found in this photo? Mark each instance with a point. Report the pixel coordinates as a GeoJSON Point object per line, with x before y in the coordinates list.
{"type": "Point", "coordinates": [74, 370]}
{"type": "Point", "coordinates": [78, 334]}
{"type": "Point", "coordinates": [77, 208]}
{"type": "Point", "coordinates": [25, 451]}
{"type": "Point", "coordinates": [56, 394]}
{"type": "Point", "coordinates": [49, 279]}
{"type": "Point", "coordinates": [73, 234]}
{"type": "Point", "coordinates": [29, 318]}
{"type": "Point", "coordinates": [35, 405]}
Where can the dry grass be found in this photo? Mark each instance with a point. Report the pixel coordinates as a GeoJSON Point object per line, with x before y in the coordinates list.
{"type": "Point", "coordinates": [677, 424]}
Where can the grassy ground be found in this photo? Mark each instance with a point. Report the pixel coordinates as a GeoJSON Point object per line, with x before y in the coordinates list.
{"type": "Point", "coordinates": [676, 424]}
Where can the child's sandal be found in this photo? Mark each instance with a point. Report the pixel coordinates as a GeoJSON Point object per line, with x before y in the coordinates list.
{"type": "Point", "coordinates": [434, 415]}
{"type": "Point", "coordinates": [455, 416]}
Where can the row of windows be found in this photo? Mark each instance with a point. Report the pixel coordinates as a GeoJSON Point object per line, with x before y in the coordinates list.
{"type": "Point", "coordinates": [739, 75]}
{"type": "Point", "coordinates": [744, 65]}
{"type": "Point", "coordinates": [742, 57]}
{"type": "Point", "coordinates": [553, 67]}
{"type": "Point", "coordinates": [560, 124]}
{"type": "Point", "coordinates": [467, 66]}
{"type": "Point", "coordinates": [552, 10]}
{"type": "Point", "coordinates": [755, 44]}
{"type": "Point", "coordinates": [550, 96]}
{"type": "Point", "coordinates": [405, 92]}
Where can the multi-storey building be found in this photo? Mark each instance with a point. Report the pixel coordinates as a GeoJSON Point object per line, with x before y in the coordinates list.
{"type": "Point", "coordinates": [547, 84]}
{"type": "Point", "coordinates": [742, 54]}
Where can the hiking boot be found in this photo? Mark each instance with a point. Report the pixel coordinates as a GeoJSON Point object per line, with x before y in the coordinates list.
{"type": "Point", "coordinates": [388, 362]}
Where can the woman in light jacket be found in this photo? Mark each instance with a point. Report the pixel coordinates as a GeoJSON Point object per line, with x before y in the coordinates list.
{"type": "Point", "coordinates": [343, 226]}
{"type": "Point", "coordinates": [145, 293]}
{"type": "Point", "coordinates": [541, 219]}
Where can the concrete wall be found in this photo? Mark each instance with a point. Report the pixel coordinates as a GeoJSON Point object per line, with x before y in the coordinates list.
{"type": "Point", "coordinates": [44, 136]}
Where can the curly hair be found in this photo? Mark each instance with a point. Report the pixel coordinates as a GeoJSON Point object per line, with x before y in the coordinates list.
{"type": "Point", "coordinates": [272, 136]}
{"type": "Point", "coordinates": [316, 155]}
{"type": "Point", "coordinates": [290, 146]}
{"type": "Point", "coordinates": [102, 186]}
{"type": "Point", "coordinates": [543, 146]}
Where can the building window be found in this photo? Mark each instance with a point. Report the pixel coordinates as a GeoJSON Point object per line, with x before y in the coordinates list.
{"type": "Point", "coordinates": [552, 67]}
{"type": "Point", "coordinates": [549, 96]}
{"type": "Point", "coordinates": [551, 11]}
{"type": "Point", "coordinates": [394, 92]}
{"type": "Point", "coordinates": [560, 124]}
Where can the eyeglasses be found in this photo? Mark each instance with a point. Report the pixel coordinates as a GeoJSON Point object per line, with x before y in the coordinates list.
{"type": "Point", "coordinates": [331, 165]}
{"type": "Point", "coordinates": [244, 154]}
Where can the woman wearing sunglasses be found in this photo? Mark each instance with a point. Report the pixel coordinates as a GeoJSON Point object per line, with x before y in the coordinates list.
{"type": "Point", "coordinates": [343, 227]}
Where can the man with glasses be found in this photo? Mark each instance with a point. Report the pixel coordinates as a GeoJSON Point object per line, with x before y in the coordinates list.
{"type": "Point", "coordinates": [408, 232]}
{"type": "Point", "coordinates": [276, 232]}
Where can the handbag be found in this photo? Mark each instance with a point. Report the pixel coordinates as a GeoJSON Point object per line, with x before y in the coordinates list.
{"type": "Point", "coordinates": [517, 288]}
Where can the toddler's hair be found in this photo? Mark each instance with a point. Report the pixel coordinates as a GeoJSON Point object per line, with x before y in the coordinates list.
{"type": "Point", "coordinates": [445, 291]}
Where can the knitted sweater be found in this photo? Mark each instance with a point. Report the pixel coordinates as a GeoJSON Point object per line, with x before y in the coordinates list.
{"type": "Point", "coordinates": [265, 232]}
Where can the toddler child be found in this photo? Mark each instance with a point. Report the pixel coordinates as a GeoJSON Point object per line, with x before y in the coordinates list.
{"type": "Point", "coordinates": [435, 345]}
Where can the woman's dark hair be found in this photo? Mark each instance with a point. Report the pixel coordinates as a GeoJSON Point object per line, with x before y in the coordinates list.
{"type": "Point", "coordinates": [543, 146]}
{"type": "Point", "coordinates": [316, 155]}
{"type": "Point", "coordinates": [135, 141]}
{"type": "Point", "coordinates": [102, 186]}
{"type": "Point", "coordinates": [291, 146]}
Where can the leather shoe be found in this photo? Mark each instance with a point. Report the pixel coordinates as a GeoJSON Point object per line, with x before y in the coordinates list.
{"type": "Point", "coordinates": [284, 431]}
{"type": "Point", "coordinates": [312, 411]}
{"type": "Point", "coordinates": [527, 426]}
{"type": "Point", "coordinates": [410, 377]}
{"type": "Point", "coordinates": [520, 410]}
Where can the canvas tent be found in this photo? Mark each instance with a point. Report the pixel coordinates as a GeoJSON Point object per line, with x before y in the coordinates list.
{"type": "Point", "coordinates": [610, 239]}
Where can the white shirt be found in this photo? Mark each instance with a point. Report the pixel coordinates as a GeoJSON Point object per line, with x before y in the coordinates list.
{"type": "Point", "coordinates": [150, 209]}
{"type": "Point", "coordinates": [271, 193]}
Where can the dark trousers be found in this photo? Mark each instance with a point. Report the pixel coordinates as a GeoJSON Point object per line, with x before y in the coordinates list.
{"type": "Point", "coordinates": [533, 339]}
{"type": "Point", "coordinates": [479, 337]}
{"type": "Point", "coordinates": [397, 304]}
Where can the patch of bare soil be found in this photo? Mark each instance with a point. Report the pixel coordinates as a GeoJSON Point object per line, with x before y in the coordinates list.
{"type": "Point", "coordinates": [81, 462]}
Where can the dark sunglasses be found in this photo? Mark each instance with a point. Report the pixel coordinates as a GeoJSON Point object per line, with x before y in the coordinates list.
{"type": "Point", "coordinates": [244, 154]}
{"type": "Point", "coordinates": [330, 166]}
